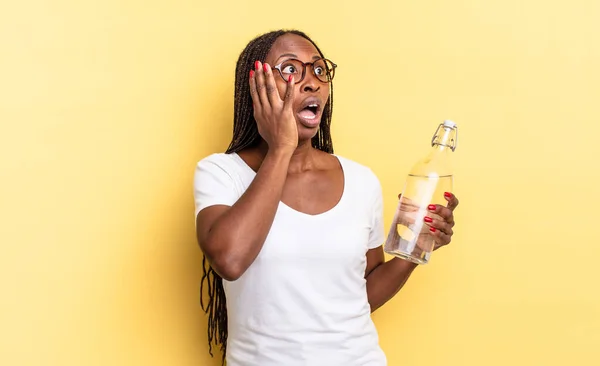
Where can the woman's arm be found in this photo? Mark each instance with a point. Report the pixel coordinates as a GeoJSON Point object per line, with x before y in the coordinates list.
{"type": "Point", "coordinates": [385, 279]}
{"type": "Point", "coordinates": [231, 237]}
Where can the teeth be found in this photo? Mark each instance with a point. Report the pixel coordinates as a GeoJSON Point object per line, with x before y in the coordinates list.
{"type": "Point", "coordinates": [313, 105]}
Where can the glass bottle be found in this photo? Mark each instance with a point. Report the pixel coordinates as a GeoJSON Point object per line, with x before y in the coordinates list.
{"type": "Point", "coordinates": [409, 236]}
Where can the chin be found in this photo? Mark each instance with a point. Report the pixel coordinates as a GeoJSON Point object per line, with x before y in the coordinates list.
{"type": "Point", "coordinates": [306, 133]}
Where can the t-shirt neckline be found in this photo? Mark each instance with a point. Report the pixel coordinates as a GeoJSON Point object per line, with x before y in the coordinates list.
{"type": "Point", "coordinates": [285, 206]}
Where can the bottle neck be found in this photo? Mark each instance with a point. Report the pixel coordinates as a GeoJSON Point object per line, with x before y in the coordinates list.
{"type": "Point", "coordinates": [439, 154]}
{"type": "Point", "coordinates": [439, 160]}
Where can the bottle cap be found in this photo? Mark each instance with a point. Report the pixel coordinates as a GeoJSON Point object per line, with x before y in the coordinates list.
{"type": "Point", "coordinates": [449, 123]}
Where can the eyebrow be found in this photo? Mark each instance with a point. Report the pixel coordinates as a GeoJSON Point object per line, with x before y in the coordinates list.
{"type": "Point", "coordinates": [316, 57]}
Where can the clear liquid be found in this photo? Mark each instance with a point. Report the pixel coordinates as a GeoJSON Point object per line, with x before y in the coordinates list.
{"type": "Point", "coordinates": [409, 236]}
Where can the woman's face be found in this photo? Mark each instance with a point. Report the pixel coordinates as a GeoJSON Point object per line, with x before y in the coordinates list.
{"type": "Point", "coordinates": [310, 94]}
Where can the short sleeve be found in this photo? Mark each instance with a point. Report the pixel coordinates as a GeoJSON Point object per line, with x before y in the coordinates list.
{"type": "Point", "coordinates": [377, 234]}
{"type": "Point", "coordinates": [213, 185]}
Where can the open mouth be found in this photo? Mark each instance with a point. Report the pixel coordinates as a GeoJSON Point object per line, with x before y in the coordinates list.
{"type": "Point", "coordinates": [310, 110]}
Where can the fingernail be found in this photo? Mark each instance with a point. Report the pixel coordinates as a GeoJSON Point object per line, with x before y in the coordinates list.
{"type": "Point", "coordinates": [251, 73]}
{"type": "Point", "coordinates": [256, 65]}
{"type": "Point", "coordinates": [266, 67]}
{"type": "Point", "coordinates": [290, 79]}
{"type": "Point", "coordinates": [428, 219]}
{"type": "Point", "coordinates": [431, 207]}
{"type": "Point", "coordinates": [432, 229]}
{"type": "Point", "coordinates": [447, 194]}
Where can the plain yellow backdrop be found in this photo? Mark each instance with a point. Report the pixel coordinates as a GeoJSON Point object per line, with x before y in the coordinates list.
{"type": "Point", "coordinates": [106, 106]}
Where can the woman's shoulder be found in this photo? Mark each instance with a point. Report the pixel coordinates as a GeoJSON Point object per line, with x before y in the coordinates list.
{"type": "Point", "coordinates": [354, 164]}
{"type": "Point", "coordinates": [227, 162]}
{"type": "Point", "coordinates": [357, 170]}
{"type": "Point", "coordinates": [216, 158]}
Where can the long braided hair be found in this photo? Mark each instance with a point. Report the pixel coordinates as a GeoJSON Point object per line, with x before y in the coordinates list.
{"type": "Point", "coordinates": [245, 135]}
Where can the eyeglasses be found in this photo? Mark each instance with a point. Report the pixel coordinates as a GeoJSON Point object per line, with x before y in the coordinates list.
{"type": "Point", "coordinates": [322, 68]}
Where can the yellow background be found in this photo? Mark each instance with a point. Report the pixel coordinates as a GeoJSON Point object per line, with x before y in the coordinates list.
{"type": "Point", "coordinates": [106, 106]}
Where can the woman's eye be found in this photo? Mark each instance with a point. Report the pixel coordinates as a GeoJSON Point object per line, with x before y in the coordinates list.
{"type": "Point", "coordinates": [290, 69]}
{"type": "Point", "coordinates": [319, 70]}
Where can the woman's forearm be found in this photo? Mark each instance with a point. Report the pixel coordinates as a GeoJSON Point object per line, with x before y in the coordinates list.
{"type": "Point", "coordinates": [386, 280]}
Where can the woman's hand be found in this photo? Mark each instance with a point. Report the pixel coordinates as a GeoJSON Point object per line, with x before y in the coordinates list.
{"type": "Point", "coordinates": [441, 221]}
{"type": "Point", "coordinates": [274, 117]}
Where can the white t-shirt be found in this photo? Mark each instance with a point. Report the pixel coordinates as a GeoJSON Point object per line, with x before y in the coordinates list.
{"type": "Point", "coordinates": [303, 301]}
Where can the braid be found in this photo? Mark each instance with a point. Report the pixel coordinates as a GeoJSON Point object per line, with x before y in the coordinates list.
{"type": "Point", "coordinates": [245, 135]}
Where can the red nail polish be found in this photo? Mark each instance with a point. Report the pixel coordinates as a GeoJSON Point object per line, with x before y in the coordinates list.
{"type": "Point", "coordinates": [447, 194]}
{"type": "Point", "coordinates": [290, 79]}
{"type": "Point", "coordinates": [432, 229]}
{"type": "Point", "coordinates": [265, 67]}
{"type": "Point", "coordinates": [431, 207]}
{"type": "Point", "coordinates": [256, 65]}
{"type": "Point", "coordinates": [251, 73]}
{"type": "Point", "coordinates": [428, 219]}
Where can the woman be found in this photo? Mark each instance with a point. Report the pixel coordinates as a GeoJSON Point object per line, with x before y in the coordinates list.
{"type": "Point", "coordinates": [293, 233]}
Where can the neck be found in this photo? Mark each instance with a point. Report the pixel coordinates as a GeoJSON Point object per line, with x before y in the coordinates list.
{"type": "Point", "coordinates": [302, 158]}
